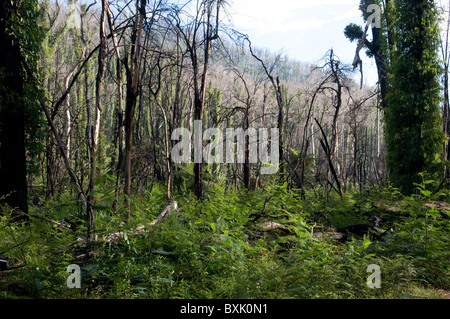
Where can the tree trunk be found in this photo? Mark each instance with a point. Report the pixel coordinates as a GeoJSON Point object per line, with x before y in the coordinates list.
{"type": "Point", "coordinates": [96, 131]}
{"type": "Point", "coordinates": [280, 128]}
{"type": "Point", "coordinates": [120, 131]}
{"type": "Point", "coordinates": [49, 165]}
{"type": "Point", "coordinates": [13, 169]}
{"type": "Point", "coordinates": [446, 108]}
{"type": "Point", "coordinates": [133, 73]}
{"type": "Point", "coordinates": [198, 142]}
{"type": "Point", "coordinates": [167, 152]}
{"type": "Point", "coordinates": [247, 171]}
{"type": "Point", "coordinates": [380, 62]}
{"type": "Point", "coordinates": [67, 101]}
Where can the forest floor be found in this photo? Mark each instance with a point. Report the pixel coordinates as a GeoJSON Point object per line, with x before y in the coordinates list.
{"type": "Point", "coordinates": [270, 243]}
{"type": "Point", "coordinates": [445, 293]}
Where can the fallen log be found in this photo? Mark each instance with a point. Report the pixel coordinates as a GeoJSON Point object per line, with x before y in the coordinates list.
{"type": "Point", "coordinates": [171, 206]}
{"type": "Point", "coordinates": [438, 205]}
{"type": "Point", "coordinates": [268, 226]}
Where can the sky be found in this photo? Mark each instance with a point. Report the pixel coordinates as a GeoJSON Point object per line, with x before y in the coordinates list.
{"type": "Point", "coordinates": [304, 30]}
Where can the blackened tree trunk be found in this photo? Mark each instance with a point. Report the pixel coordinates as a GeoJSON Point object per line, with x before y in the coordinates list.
{"type": "Point", "coordinates": [191, 35]}
{"type": "Point", "coordinates": [132, 90]}
{"type": "Point", "coordinates": [277, 88]}
{"type": "Point", "coordinates": [12, 117]}
{"type": "Point", "coordinates": [198, 167]}
{"type": "Point", "coordinates": [95, 134]}
{"type": "Point", "coordinates": [247, 169]}
{"type": "Point", "coordinates": [382, 66]}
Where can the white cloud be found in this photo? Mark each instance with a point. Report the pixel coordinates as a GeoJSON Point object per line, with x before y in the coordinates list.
{"type": "Point", "coordinates": [265, 16]}
{"type": "Point", "coordinates": [353, 12]}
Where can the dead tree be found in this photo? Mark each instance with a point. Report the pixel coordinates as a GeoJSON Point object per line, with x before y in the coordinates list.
{"type": "Point", "coordinates": [327, 149]}
{"type": "Point", "coordinates": [280, 103]}
{"type": "Point", "coordinates": [96, 131]}
{"type": "Point", "coordinates": [198, 36]}
{"type": "Point", "coordinates": [335, 83]}
{"type": "Point", "coordinates": [247, 101]}
{"type": "Point", "coordinates": [132, 65]}
{"type": "Point", "coordinates": [121, 133]}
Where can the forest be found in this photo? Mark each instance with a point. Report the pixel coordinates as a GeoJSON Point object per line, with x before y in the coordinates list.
{"type": "Point", "coordinates": [150, 150]}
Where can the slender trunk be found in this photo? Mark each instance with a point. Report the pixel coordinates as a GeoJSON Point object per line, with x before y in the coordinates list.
{"type": "Point", "coordinates": [167, 153]}
{"type": "Point", "coordinates": [198, 165]}
{"type": "Point", "coordinates": [344, 158]}
{"type": "Point", "coordinates": [446, 121]}
{"type": "Point", "coordinates": [120, 132]}
{"type": "Point", "coordinates": [326, 147]}
{"type": "Point", "coordinates": [62, 150]}
{"type": "Point", "coordinates": [133, 73]}
{"type": "Point", "coordinates": [280, 128]}
{"type": "Point", "coordinates": [446, 59]}
{"type": "Point", "coordinates": [354, 167]}
{"type": "Point", "coordinates": [198, 115]}
{"type": "Point", "coordinates": [210, 34]}
{"type": "Point", "coordinates": [67, 101]}
{"type": "Point", "coordinates": [96, 132]}
{"type": "Point", "coordinates": [378, 133]}
{"type": "Point", "coordinates": [49, 165]}
{"type": "Point", "coordinates": [129, 115]}
{"type": "Point", "coordinates": [68, 128]}
{"type": "Point", "coordinates": [247, 179]}
{"type": "Point", "coordinates": [120, 124]}
{"type": "Point", "coordinates": [313, 146]}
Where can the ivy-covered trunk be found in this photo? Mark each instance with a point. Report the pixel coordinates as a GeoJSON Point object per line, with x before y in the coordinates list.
{"type": "Point", "coordinates": [413, 122]}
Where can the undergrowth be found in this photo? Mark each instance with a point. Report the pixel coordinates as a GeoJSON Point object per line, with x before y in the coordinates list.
{"type": "Point", "coordinates": [215, 249]}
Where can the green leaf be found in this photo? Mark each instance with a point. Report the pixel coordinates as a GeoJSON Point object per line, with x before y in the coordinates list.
{"type": "Point", "coordinates": [366, 243]}
{"type": "Point", "coordinates": [425, 192]}
{"type": "Point", "coordinates": [161, 251]}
